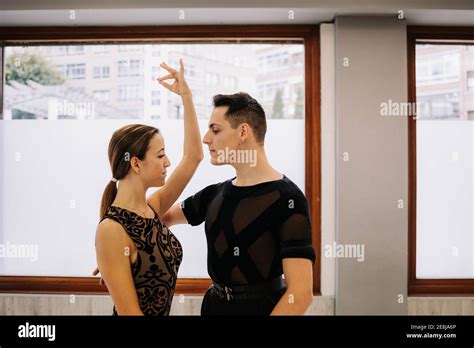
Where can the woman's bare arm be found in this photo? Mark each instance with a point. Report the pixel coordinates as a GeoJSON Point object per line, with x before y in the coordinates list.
{"type": "Point", "coordinates": [174, 216]}
{"type": "Point", "coordinates": [113, 259]}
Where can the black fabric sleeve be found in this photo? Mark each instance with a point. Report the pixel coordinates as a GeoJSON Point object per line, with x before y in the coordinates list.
{"type": "Point", "coordinates": [195, 207]}
{"type": "Point", "coordinates": [295, 229]}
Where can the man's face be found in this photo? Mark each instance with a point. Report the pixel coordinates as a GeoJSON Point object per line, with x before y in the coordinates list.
{"type": "Point", "coordinates": [220, 135]}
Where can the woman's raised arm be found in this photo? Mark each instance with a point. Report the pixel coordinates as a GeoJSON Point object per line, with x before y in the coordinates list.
{"type": "Point", "coordinates": [162, 199]}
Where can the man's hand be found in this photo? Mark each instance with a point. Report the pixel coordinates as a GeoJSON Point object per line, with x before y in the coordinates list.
{"type": "Point", "coordinates": [96, 272]}
{"type": "Point", "coordinates": [179, 86]}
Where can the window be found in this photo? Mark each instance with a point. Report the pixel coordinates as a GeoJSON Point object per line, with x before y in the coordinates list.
{"type": "Point", "coordinates": [108, 104]}
{"type": "Point", "coordinates": [438, 66]}
{"type": "Point", "coordinates": [441, 150]}
{"type": "Point", "coordinates": [439, 105]}
{"type": "Point", "coordinates": [101, 71]}
{"type": "Point", "coordinates": [73, 71]}
{"type": "Point", "coordinates": [76, 71]}
{"type": "Point", "coordinates": [129, 67]}
{"type": "Point", "coordinates": [276, 61]}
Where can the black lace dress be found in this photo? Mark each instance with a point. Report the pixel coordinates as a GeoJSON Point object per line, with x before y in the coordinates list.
{"type": "Point", "coordinates": [159, 256]}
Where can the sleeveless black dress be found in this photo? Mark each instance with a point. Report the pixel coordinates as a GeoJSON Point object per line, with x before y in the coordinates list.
{"type": "Point", "coordinates": [159, 256]}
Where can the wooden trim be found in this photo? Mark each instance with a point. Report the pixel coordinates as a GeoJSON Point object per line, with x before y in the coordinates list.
{"type": "Point", "coordinates": [426, 287]}
{"type": "Point", "coordinates": [308, 34]}
{"type": "Point", "coordinates": [441, 287]}
{"type": "Point", "coordinates": [143, 33]}
{"type": "Point", "coordinates": [440, 33]}
{"type": "Point", "coordinates": [313, 147]}
{"type": "Point", "coordinates": [411, 50]}
{"type": "Point", "coordinates": [84, 285]}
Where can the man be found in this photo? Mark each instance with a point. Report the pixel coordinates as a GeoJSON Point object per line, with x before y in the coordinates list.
{"type": "Point", "coordinates": [257, 224]}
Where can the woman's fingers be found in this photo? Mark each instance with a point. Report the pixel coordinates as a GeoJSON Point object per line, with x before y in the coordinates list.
{"type": "Point", "coordinates": [166, 84]}
{"type": "Point", "coordinates": [173, 74]}
{"type": "Point", "coordinates": [167, 77]}
{"type": "Point", "coordinates": [170, 70]}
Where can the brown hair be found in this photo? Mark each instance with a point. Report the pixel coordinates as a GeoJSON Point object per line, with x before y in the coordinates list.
{"type": "Point", "coordinates": [244, 108]}
{"type": "Point", "coordinates": [127, 142]}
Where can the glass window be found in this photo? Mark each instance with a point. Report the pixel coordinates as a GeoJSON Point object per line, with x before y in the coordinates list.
{"type": "Point", "coordinates": [129, 67]}
{"type": "Point", "coordinates": [58, 170]}
{"type": "Point", "coordinates": [101, 71]}
{"type": "Point", "coordinates": [445, 157]}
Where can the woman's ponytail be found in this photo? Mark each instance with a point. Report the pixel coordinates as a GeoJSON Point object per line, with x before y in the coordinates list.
{"type": "Point", "coordinates": [107, 198]}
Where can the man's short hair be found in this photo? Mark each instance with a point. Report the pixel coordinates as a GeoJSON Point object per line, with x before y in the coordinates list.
{"type": "Point", "coordinates": [242, 108]}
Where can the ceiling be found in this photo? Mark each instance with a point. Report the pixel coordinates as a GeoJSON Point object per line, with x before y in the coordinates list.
{"type": "Point", "coordinates": [167, 12]}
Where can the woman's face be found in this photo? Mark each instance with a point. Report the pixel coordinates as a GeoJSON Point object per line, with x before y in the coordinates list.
{"type": "Point", "coordinates": [153, 167]}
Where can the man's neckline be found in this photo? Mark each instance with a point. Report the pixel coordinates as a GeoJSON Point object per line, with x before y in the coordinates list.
{"type": "Point", "coordinates": [254, 185]}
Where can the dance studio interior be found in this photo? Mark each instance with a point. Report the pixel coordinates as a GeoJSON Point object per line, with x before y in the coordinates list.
{"type": "Point", "coordinates": [369, 108]}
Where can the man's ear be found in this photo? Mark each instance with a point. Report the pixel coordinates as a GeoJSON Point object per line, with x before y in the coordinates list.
{"type": "Point", "coordinates": [245, 131]}
{"type": "Point", "coordinates": [135, 164]}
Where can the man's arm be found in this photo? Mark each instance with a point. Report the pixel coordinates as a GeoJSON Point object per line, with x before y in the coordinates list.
{"type": "Point", "coordinates": [299, 294]}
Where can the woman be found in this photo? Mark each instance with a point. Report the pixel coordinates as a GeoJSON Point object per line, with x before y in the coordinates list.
{"type": "Point", "coordinates": [138, 257]}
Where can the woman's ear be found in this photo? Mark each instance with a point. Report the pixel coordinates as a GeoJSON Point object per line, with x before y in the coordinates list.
{"type": "Point", "coordinates": [135, 164]}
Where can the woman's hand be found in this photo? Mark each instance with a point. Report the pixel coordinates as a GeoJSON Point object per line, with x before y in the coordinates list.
{"type": "Point", "coordinates": [96, 272]}
{"type": "Point", "coordinates": [179, 86]}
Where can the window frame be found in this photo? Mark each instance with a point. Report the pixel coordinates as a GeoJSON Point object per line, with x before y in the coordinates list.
{"type": "Point", "coordinates": [427, 287]}
{"type": "Point", "coordinates": [308, 34]}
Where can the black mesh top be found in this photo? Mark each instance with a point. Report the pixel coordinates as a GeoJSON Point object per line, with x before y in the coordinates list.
{"type": "Point", "coordinates": [250, 229]}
